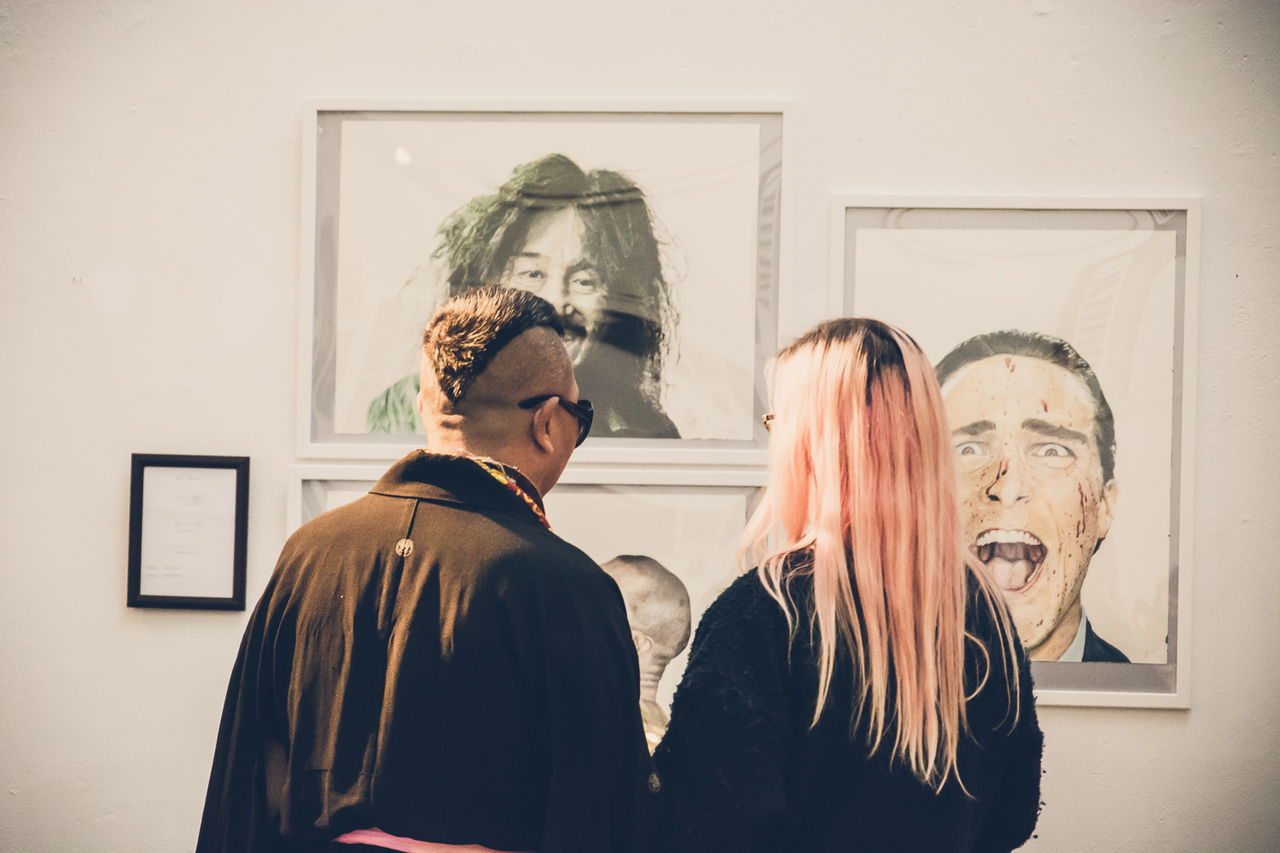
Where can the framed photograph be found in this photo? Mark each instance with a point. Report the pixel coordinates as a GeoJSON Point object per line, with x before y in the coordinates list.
{"type": "Point", "coordinates": [188, 523]}
{"type": "Point", "coordinates": [654, 230]}
{"type": "Point", "coordinates": [675, 542]}
{"type": "Point", "coordinates": [1064, 336]}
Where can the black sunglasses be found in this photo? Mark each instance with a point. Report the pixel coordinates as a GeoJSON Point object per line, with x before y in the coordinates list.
{"type": "Point", "coordinates": [581, 410]}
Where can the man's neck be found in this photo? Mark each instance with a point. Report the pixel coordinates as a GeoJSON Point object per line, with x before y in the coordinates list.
{"type": "Point", "coordinates": [1060, 639]}
{"type": "Point", "coordinates": [522, 480]}
{"type": "Point", "coordinates": [649, 678]}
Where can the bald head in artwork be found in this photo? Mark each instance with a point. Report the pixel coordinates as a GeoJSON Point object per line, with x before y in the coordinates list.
{"type": "Point", "coordinates": [483, 353]}
{"type": "Point", "coordinates": [658, 610]}
{"type": "Point", "coordinates": [657, 606]}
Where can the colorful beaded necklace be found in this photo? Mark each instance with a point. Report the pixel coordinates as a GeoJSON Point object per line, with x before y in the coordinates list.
{"type": "Point", "coordinates": [512, 486]}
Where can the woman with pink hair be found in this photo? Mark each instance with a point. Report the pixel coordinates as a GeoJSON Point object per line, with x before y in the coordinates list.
{"type": "Point", "coordinates": [863, 687]}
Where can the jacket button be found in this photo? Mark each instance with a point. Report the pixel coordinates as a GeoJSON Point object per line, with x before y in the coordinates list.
{"type": "Point", "coordinates": [655, 784]}
{"type": "Point", "coordinates": [404, 547]}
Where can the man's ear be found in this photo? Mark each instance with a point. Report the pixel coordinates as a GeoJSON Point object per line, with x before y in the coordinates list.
{"type": "Point", "coordinates": [1107, 507]}
{"type": "Point", "coordinates": [643, 641]}
{"type": "Point", "coordinates": [540, 428]}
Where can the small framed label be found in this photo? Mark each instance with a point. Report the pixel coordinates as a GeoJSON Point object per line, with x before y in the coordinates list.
{"type": "Point", "coordinates": [188, 519]}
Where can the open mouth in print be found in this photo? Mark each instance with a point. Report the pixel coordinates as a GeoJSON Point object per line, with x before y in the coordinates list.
{"type": "Point", "coordinates": [1013, 557]}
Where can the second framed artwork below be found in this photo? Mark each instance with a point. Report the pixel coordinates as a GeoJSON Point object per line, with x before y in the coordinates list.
{"type": "Point", "coordinates": [1063, 333]}
{"type": "Point", "coordinates": [670, 542]}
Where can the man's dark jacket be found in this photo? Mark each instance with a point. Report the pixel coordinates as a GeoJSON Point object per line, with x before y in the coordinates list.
{"type": "Point", "coordinates": [1098, 649]}
{"type": "Point", "coordinates": [431, 661]}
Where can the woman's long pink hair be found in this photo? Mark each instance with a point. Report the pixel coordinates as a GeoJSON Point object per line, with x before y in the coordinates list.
{"type": "Point", "coordinates": [862, 494]}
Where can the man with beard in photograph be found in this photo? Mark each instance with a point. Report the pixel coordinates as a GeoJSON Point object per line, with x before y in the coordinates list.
{"type": "Point", "coordinates": [1035, 448]}
{"type": "Point", "coordinates": [585, 242]}
{"type": "Point", "coordinates": [661, 621]}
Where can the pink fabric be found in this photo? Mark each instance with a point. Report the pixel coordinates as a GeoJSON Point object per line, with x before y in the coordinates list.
{"type": "Point", "coordinates": [377, 838]}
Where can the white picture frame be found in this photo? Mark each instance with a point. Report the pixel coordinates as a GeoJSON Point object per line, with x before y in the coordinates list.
{"type": "Point", "coordinates": [380, 176]}
{"type": "Point", "coordinates": [689, 521]}
{"type": "Point", "coordinates": [1117, 278]}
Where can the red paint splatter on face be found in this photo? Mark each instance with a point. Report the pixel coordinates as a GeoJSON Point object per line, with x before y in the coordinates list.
{"type": "Point", "coordinates": [1008, 362]}
{"type": "Point", "coordinates": [1083, 511]}
{"type": "Point", "coordinates": [1044, 407]}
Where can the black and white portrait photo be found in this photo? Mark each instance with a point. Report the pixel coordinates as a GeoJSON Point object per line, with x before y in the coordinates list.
{"type": "Point", "coordinates": [585, 242]}
{"type": "Point", "coordinates": [661, 622]}
{"type": "Point", "coordinates": [672, 549]}
{"type": "Point", "coordinates": [653, 235]}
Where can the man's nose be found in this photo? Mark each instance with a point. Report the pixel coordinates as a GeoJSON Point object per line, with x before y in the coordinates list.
{"type": "Point", "coordinates": [1007, 483]}
{"type": "Point", "coordinates": [570, 315]}
{"type": "Point", "coordinates": [558, 290]}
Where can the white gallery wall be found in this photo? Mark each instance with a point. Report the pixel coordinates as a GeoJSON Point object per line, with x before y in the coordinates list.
{"type": "Point", "coordinates": [149, 266]}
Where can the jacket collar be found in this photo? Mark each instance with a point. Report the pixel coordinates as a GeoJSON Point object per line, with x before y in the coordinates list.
{"type": "Point", "coordinates": [454, 478]}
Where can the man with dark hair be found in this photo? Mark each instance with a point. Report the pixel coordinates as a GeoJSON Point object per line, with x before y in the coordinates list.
{"type": "Point", "coordinates": [429, 665]}
{"type": "Point", "coordinates": [658, 610]}
{"type": "Point", "coordinates": [1035, 450]}
{"type": "Point", "coordinates": [585, 242]}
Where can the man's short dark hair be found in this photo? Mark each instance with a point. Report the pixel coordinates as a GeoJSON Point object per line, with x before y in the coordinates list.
{"type": "Point", "coordinates": [466, 332]}
{"type": "Point", "coordinates": [1046, 348]}
{"type": "Point", "coordinates": [479, 240]}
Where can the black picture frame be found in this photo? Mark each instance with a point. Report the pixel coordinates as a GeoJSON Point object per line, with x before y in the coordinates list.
{"type": "Point", "coordinates": [188, 532]}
